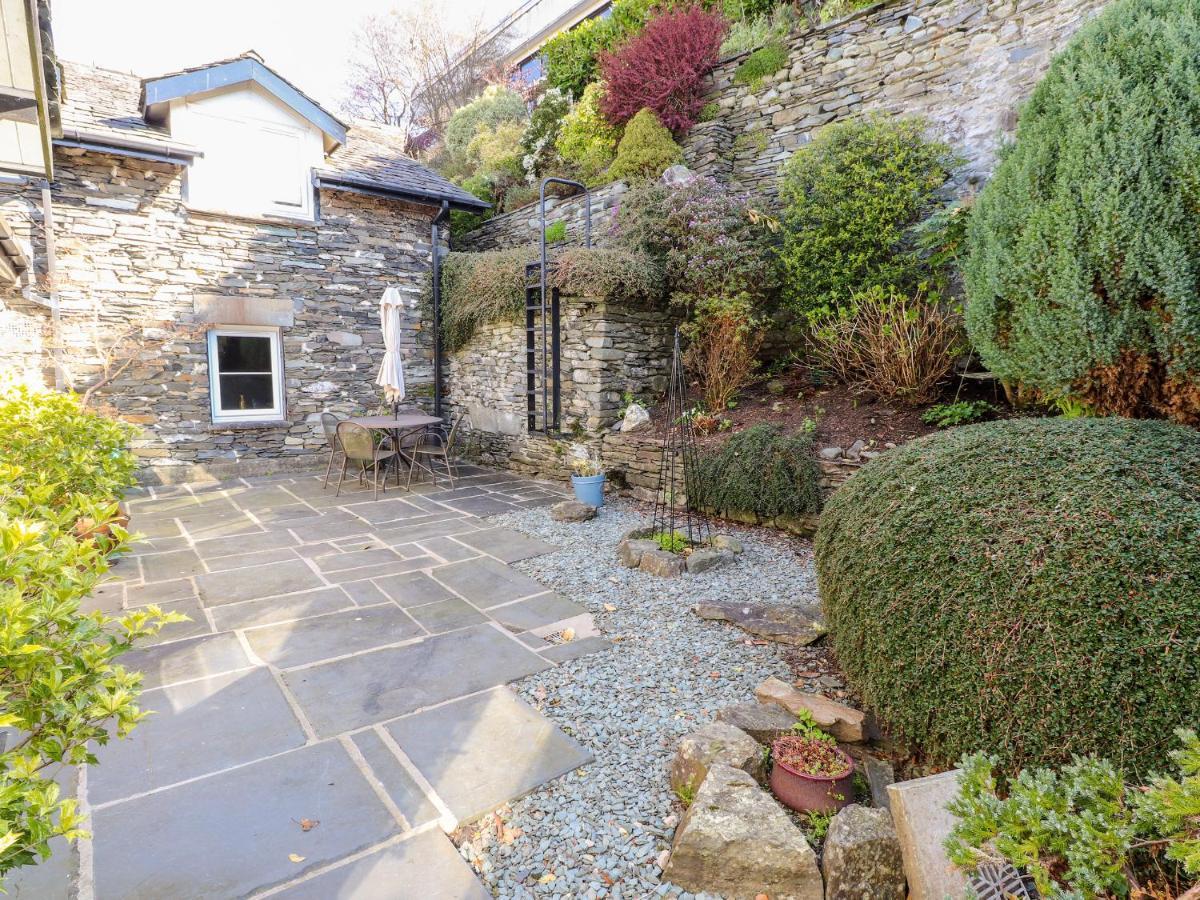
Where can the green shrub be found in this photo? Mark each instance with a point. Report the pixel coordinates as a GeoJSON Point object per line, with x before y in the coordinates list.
{"type": "Point", "coordinates": [496, 106]}
{"type": "Point", "coordinates": [62, 470]}
{"type": "Point", "coordinates": [539, 142]}
{"type": "Point", "coordinates": [769, 27]}
{"type": "Point", "coordinates": [761, 470]}
{"type": "Point", "coordinates": [835, 9]}
{"type": "Point", "coordinates": [961, 412]}
{"type": "Point", "coordinates": [556, 232]}
{"type": "Point", "coordinates": [572, 56]}
{"type": "Point", "coordinates": [1027, 588]}
{"type": "Point", "coordinates": [1084, 256]}
{"type": "Point", "coordinates": [586, 141]}
{"type": "Point", "coordinates": [759, 65]}
{"type": "Point", "coordinates": [851, 199]}
{"type": "Point", "coordinates": [646, 149]}
{"type": "Point", "coordinates": [1081, 832]}
{"type": "Point", "coordinates": [608, 273]}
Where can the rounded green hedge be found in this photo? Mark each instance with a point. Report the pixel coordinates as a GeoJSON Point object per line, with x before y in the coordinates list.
{"type": "Point", "coordinates": [1029, 587]}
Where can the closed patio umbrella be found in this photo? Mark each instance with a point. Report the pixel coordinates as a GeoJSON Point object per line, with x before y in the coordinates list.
{"type": "Point", "coordinates": [391, 370]}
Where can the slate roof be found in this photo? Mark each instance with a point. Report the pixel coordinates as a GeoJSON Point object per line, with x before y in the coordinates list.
{"type": "Point", "coordinates": [103, 104]}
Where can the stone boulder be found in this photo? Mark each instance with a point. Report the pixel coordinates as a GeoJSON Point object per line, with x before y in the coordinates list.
{"type": "Point", "coordinates": [763, 723]}
{"type": "Point", "coordinates": [784, 624]}
{"type": "Point", "coordinates": [661, 563]}
{"type": "Point", "coordinates": [636, 418]}
{"type": "Point", "coordinates": [631, 550]}
{"type": "Point", "coordinates": [725, 542]}
{"type": "Point", "coordinates": [713, 744]}
{"type": "Point", "coordinates": [861, 858]}
{"type": "Point", "coordinates": [736, 841]}
{"type": "Point", "coordinates": [845, 723]}
{"type": "Point", "coordinates": [572, 511]}
{"type": "Point", "coordinates": [923, 822]}
{"type": "Point", "coordinates": [702, 560]}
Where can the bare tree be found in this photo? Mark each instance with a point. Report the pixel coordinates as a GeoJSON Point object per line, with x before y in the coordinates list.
{"type": "Point", "coordinates": [412, 67]}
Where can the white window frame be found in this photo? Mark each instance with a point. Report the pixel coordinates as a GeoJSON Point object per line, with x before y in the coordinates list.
{"type": "Point", "coordinates": [276, 413]}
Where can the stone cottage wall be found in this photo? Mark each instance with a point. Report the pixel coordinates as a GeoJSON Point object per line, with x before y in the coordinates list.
{"type": "Point", "coordinates": [965, 65]}
{"type": "Point", "coordinates": [129, 252]}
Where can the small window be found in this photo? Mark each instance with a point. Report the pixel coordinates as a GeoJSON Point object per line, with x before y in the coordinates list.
{"type": "Point", "coordinates": [531, 70]}
{"type": "Point", "coordinates": [245, 374]}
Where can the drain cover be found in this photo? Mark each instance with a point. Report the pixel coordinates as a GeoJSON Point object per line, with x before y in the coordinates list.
{"type": "Point", "coordinates": [1000, 881]}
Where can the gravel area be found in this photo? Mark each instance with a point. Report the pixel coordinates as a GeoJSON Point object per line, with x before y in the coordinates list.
{"type": "Point", "coordinates": [601, 831]}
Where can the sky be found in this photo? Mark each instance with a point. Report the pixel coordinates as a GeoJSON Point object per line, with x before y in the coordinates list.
{"type": "Point", "coordinates": [307, 41]}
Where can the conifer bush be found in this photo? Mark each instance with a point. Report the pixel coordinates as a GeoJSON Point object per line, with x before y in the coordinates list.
{"type": "Point", "coordinates": [1083, 274]}
{"type": "Point", "coordinates": [646, 149]}
{"type": "Point", "coordinates": [762, 470]}
{"type": "Point", "coordinates": [1027, 588]}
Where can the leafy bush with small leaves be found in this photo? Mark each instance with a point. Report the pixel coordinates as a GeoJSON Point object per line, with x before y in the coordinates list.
{"type": "Point", "coordinates": [572, 56]}
{"type": "Point", "coordinates": [646, 149]}
{"type": "Point", "coordinates": [835, 9]}
{"type": "Point", "coordinates": [1084, 254]}
{"type": "Point", "coordinates": [1022, 587]}
{"type": "Point", "coordinates": [670, 541]}
{"type": "Point", "coordinates": [771, 27]}
{"type": "Point", "coordinates": [851, 199]}
{"type": "Point", "coordinates": [759, 65]}
{"type": "Point", "coordinates": [497, 105]}
{"type": "Point", "coordinates": [62, 470]}
{"type": "Point", "coordinates": [961, 412]}
{"type": "Point", "coordinates": [556, 232]}
{"type": "Point", "coordinates": [609, 273]}
{"type": "Point", "coordinates": [1082, 831]}
{"type": "Point", "coordinates": [586, 141]}
{"type": "Point", "coordinates": [539, 141]}
{"type": "Point", "coordinates": [763, 471]}
{"type": "Point", "coordinates": [662, 68]}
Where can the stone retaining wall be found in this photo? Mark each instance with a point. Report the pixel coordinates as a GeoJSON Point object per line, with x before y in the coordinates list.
{"type": "Point", "coordinates": [131, 253]}
{"type": "Point", "coordinates": [522, 226]}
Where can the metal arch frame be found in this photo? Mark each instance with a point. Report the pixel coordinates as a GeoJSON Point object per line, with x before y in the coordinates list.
{"type": "Point", "coordinates": [587, 242]}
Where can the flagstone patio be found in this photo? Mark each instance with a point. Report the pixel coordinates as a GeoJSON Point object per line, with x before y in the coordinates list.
{"type": "Point", "coordinates": [336, 700]}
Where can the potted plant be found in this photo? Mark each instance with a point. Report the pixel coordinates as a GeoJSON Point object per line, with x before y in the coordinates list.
{"type": "Point", "coordinates": [811, 774]}
{"type": "Point", "coordinates": [588, 480]}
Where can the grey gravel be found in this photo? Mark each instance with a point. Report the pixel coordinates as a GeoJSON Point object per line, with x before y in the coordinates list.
{"type": "Point", "coordinates": [600, 831]}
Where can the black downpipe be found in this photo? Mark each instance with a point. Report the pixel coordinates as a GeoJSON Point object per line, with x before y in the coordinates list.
{"type": "Point", "coordinates": [434, 241]}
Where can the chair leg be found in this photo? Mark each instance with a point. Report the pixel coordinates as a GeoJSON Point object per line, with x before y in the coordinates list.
{"type": "Point", "coordinates": [375, 481]}
{"type": "Point", "coordinates": [329, 466]}
{"type": "Point", "coordinates": [412, 461]}
{"type": "Point", "coordinates": [341, 475]}
{"type": "Point", "coordinates": [449, 471]}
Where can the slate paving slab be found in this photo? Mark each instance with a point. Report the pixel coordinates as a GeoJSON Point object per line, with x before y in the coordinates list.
{"type": "Point", "coordinates": [232, 833]}
{"type": "Point", "coordinates": [536, 612]}
{"type": "Point", "coordinates": [280, 609]}
{"type": "Point", "coordinates": [486, 582]}
{"type": "Point", "coordinates": [380, 570]}
{"type": "Point", "coordinates": [195, 624]}
{"type": "Point", "coordinates": [439, 526]}
{"type": "Point", "coordinates": [242, 560]}
{"type": "Point", "coordinates": [186, 660]}
{"type": "Point", "coordinates": [483, 751]}
{"type": "Point", "coordinates": [447, 548]}
{"type": "Point", "coordinates": [195, 729]}
{"type": "Point", "coordinates": [337, 634]}
{"type": "Point", "coordinates": [412, 589]}
{"type": "Point", "coordinates": [481, 506]}
{"type": "Point", "coordinates": [249, 543]}
{"type": "Point", "coordinates": [171, 566]}
{"type": "Point", "coordinates": [257, 581]}
{"type": "Point", "coordinates": [446, 615]}
{"type": "Point", "coordinates": [575, 649]}
{"type": "Point", "coordinates": [506, 545]}
{"type": "Point", "coordinates": [399, 784]}
{"type": "Point", "coordinates": [382, 684]}
{"type": "Point", "coordinates": [159, 592]}
{"type": "Point", "coordinates": [426, 865]}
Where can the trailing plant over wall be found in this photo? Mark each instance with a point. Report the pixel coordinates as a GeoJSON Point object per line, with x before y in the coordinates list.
{"type": "Point", "coordinates": [608, 273]}
{"type": "Point", "coordinates": [662, 68]}
{"type": "Point", "coordinates": [1083, 276]}
{"type": "Point", "coordinates": [851, 199]}
{"type": "Point", "coordinates": [1023, 588]}
{"type": "Point", "coordinates": [62, 470]}
{"type": "Point", "coordinates": [646, 149]}
{"type": "Point", "coordinates": [761, 470]}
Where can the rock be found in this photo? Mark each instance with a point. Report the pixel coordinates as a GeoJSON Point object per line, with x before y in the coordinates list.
{"type": "Point", "coordinates": [703, 560]}
{"type": "Point", "coordinates": [678, 174]}
{"type": "Point", "coordinates": [636, 418]}
{"type": "Point", "coordinates": [661, 563]}
{"type": "Point", "coordinates": [572, 511]}
{"type": "Point", "coordinates": [844, 722]}
{"type": "Point", "coordinates": [922, 825]}
{"type": "Point", "coordinates": [787, 625]}
{"type": "Point", "coordinates": [737, 842]}
{"type": "Point", "coordinates": [725, 542]}
{"type": "Point", "coordinates": [714, 743]}
{"type": "Point", "coordinates": [879, 774]}
{"type": "Point", "coordinates": [631, 550]}
{"type": "Point", "coordinates": [854, 451]}
{"type": "Point", "coordinates": [861, 858]}
{"type": "Point", "coordinates": [763, 723]}
{"type": "Point", "coordinates": [776, 387]}
{"type": "Point", "coordinates": [830, 453]}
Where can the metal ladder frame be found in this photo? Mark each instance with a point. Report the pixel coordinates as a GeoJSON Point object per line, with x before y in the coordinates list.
{"type": "Point", "coordinates": [549, 312]}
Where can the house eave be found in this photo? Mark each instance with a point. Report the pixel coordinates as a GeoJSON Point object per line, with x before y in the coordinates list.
{"type": "Point", "coordinates": [416, 195]}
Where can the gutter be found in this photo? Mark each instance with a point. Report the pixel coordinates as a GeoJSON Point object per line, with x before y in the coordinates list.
{"type": "Point", "coordinates": [358, 186]}
{"type": "Point", "coordinates": [138, 148]}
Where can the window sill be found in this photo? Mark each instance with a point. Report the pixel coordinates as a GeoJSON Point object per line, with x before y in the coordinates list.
{"type": "Point", "coordinates": [291, 221]}
{"type": "Point", "coordinates": [249, 425]}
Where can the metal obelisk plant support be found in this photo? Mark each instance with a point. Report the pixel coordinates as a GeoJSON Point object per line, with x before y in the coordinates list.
{"type": "Point", "coordinates": [677, 466]}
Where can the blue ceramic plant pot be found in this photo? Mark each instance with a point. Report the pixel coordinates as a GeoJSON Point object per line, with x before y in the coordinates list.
{"type": "Point", "coordinates": [589, 489]}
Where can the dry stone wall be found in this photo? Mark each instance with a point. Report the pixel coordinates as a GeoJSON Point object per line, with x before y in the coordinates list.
{"type": "Point", "coordinates": [130, 253]}
{"type": "Point", "coordinates": [523, 226]}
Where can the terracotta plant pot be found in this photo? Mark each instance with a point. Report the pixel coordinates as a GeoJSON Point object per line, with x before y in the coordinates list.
{"type": "Point", "coordinates": [812, 793]}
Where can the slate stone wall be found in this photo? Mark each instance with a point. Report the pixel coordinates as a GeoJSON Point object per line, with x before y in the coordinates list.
{"type": "Point", "coordinates": [133, 260]}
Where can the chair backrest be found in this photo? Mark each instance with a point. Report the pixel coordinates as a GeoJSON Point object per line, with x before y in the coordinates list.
{"type": "Point", "coordinates": [357, 442]}
{"type": "Point", "coordinates": [454, 432]}
{"type": "Point", "coordinates": [329, 422]}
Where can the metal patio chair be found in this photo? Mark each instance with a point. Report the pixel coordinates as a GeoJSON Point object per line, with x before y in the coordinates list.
{"type": "Point", "coordinates": [358, 445]}
{"type": "Point", "coordinates": [433, 446]}
{"type": "Point", "coordinates": [329, 424]}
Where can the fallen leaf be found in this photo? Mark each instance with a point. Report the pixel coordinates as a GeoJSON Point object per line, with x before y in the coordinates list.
{"type": "Point", "coordinates": [607, 879]}
{"type": "Point", "coordinates": [308, 824]}
{"type": "Point", "coordinates": [509, 835]}
{"type": "Point", "coordinates": [568, 634]}
{"type": "Point", "coordinates": [761, 897]}
{"type": "Point", "coordinates": [547, 878]}
{"type": "Point", "coordinates": [608, 607]}
{"type": "Point", "coordinates": [295, 857]}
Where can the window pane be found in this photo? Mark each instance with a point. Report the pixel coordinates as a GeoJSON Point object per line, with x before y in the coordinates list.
{"type": "Point", "coordinates": [247, 392]}
{"type": "Point", "coordinates": [237, 353]}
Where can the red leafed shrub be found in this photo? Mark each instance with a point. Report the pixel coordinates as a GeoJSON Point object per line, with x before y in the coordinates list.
{"type": "Point", "coordinates": [661, 68]}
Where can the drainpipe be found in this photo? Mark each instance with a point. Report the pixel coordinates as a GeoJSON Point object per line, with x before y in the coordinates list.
{"type": "Point", "coordinates": [56, 349]}
{"type": "Point", "coordinates": [434, 242]}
